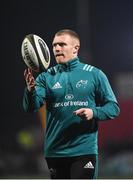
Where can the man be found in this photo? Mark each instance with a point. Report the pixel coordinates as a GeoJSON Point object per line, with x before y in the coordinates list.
{"type": "Point", "coordinates": [77, 97]}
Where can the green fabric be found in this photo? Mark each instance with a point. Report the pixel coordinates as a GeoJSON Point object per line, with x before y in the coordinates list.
{"type": "Point", "coordinates": [66, 88]}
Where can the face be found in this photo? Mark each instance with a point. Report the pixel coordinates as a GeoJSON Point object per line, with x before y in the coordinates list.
{"type": "Point", "coordinates": [65, 48]}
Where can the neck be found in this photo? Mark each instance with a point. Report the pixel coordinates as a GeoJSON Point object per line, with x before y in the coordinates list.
{"type": "Point", "coordinates": [69, 65]}
{"type": "Point", "coordinates": [69, 60]}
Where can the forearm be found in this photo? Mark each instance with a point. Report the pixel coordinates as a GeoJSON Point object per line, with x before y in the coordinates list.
{"type": "Point", "coordinates": [109, 111]}
{"type": "Point", "coordinates": [31, 102]}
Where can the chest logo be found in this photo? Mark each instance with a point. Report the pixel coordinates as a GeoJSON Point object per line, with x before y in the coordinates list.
{"type": "Point", "coordinates": [57, 86]}
{"type": "Point", "coordinates": [82, 84]}
{"type": "Point", "coordinates": [69, 96]}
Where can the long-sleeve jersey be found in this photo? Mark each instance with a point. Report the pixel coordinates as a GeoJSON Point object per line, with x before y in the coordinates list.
{"type": "Point", "coordinates": [66, 88]}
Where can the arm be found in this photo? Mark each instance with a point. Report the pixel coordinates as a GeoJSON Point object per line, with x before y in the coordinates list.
{"type": "Point", "coordinates": [42, 116]}
{"type": "Point", "coordinates": [34, 94]}
{"type": "Point", "coordinates": [107, 108]}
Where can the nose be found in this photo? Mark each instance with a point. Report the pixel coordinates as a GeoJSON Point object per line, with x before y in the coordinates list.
{"type": "Point", "coordinates": [57, 48]}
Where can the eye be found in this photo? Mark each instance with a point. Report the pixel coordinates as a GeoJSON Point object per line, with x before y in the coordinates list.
{"type": "Point", "coordinates": [54, 45]}
{"type": "Point", "coordinates": [62, 44]}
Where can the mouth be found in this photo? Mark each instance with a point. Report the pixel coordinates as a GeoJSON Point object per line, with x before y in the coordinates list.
{"type": "Point", "coordinates": [58, 55]}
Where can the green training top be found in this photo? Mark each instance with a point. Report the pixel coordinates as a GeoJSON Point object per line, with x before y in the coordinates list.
{"type": "Point", "coordinates": [66, 88]}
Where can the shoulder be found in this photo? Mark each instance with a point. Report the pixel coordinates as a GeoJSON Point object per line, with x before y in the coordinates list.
{"type": "Point", "coordinates": [94, 71]}
{"type": "Point", "coordinates": [89, 68]}
{"type": "Point", "coordinates": [53, 70]}
{"type": "Point", "coordinates": [50, 71]}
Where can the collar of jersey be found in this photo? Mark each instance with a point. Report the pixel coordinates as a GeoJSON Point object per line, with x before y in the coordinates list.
{"type": "Point", "coordinates": [71, 64]}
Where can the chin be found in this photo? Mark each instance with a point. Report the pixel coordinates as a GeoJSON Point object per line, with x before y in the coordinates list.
{"type": "Point", "coordinates": [61, 60]}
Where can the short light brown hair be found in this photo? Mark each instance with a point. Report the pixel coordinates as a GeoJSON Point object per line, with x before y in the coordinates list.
{"type": "Point", "coordinates": [69, 32]}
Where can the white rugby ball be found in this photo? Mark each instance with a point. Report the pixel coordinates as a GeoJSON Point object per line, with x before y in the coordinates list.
{"type": "Point", "coordinates": [35, 53]}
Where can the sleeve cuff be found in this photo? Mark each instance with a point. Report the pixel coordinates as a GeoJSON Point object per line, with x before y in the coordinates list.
{"type": "Point", "coordinates": [94, 113]}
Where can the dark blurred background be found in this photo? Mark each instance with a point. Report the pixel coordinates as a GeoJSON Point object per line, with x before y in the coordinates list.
{"type": "Point", "coordinates": [106, 31]}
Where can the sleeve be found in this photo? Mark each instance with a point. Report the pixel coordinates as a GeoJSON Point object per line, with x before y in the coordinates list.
{"type": "Point", "coordinates": [108, 107]}
{"type": "Point", "coordinates": [32, 101]}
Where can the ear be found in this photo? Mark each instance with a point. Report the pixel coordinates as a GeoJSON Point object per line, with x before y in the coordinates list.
{"type": "Point", "coordinates": [76, 49]}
